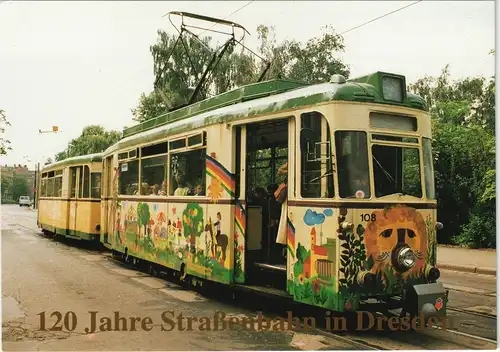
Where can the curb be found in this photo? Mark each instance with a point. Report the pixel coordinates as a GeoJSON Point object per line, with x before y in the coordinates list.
{"type": "Point", "coordinates": [469, 269]}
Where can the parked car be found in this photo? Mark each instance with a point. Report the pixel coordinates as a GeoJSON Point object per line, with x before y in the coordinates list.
{"type": "Point", "coordinates": [24, 201]}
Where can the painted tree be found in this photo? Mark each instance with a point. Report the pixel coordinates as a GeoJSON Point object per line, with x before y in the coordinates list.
{"type": "Point", "coordinates": [143, 217]}
{"type": "Point", "coordinates": [94, 139]}
{"type": "Point", "coordinates": [192, 221]}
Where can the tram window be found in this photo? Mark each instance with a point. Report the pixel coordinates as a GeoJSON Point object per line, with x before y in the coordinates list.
{"type": "Point", "coordinates": [396, 170]}
{"type": "Point", "coordinates": [187, 176]}
{"type": "Point", "coordinates": [178, 144]}
{"type": "Point", "coordinates": [316, 162]}
{"type": "Point", "coordinates": [128, 178]}
{"type": "Point", "coordinates": [394, 138]}
{"type": "Point", "coordinates": [352, 164]}
{"type": "Point", "coordinates": [197, 140]}
{"type": "Point", "coordinates": [155, 149]}
{"type": "Point", "coordinates": [58, 186]}
{"type": "Point", "coordinates": [42, 188]}
{"type": "Point", "coordinates": [50, 187]}
{"type": "Point", "coordinates": [154, 174]}
{"type": "Point", "coordinates": [84, 182]}
{"type": "Point", "coordinates": [73, 182]}
{"type": "Point", "coordinates": [428, 169]}
{"type": "Point", "coordinates": [393, 121]}
{"type": "Point", "coordinates": [95, 182]}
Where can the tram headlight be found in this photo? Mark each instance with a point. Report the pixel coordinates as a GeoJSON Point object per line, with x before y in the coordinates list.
{"type": "Point", "coordinates": [404, 258]}
{"type": "Point", "coordinates": [432, 273]}
{"type": "Point", "coordinates": [366, 279]}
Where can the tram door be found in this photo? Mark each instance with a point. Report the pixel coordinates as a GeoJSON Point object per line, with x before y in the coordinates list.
{"type": "Point", "coordinates": [72, 208]}
{"type": "Point", "coordinates": [265, 147]}
{"type": "Point", "coordinates": [107, 215]}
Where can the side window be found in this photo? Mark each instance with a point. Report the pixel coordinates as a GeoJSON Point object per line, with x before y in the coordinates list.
{"type": "Point", "coordinates": [95, 182]}
{"type": "Point", "coordinates": [352, 164]}
{"type": "Point", "coordinates": [50, 185]}
{"type": "Point", "coordinates": [43, 185]}
{"type": "Point", "coordinates": [316, 157]}
{"type": "Point", "coordinates": [73, 182]}
{"type": "Point", "coordinates": [428, 168]}
{"type": "Point", "coordinates": [187, 175]}
{"type": "Point", "coordinates": [154, 169]}
{"type": "Point", "coordinates": [128, 177]}
{"type": "Point", "coordinates": [84, 182]}
{"type": "Point", "coordinates": [58, 186]}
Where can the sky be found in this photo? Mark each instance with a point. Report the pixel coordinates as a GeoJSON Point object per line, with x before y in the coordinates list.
{"type": "Point", "coordinates": [72, 64]}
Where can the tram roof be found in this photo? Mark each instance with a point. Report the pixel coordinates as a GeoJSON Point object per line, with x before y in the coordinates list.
{"type": "Point", "coordinates": [75, 160]}
{"type": "Point", "coordinates": [265, 97]}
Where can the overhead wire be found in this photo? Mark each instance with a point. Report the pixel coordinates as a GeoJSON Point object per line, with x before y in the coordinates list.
{"type": "Point", "coordinates": [340, 34]}
{"type": "Point", "coordinates": [225, 18]}
{"type": "Point", "coordinates": [379, 17]}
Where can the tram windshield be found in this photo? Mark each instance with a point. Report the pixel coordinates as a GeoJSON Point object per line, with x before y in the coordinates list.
{"type": "Point", "coordinates": [396, 170]}
{"type": "Point", "coordinates": [352, 164]}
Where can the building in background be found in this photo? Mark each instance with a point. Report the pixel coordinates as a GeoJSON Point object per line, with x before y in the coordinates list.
{"type": "Point", "coordinates": [7, 173]}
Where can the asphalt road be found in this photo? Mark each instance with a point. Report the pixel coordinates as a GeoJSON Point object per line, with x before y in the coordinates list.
{"type": "Point", "coordinates": [45, 281]}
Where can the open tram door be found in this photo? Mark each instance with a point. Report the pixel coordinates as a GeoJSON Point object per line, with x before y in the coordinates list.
{"type": "Point", "coordinates": [261, 149]}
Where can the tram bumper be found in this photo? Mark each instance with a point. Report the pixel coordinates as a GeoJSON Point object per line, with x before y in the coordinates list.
{"type": "Point", "coordinates": [427, 299]}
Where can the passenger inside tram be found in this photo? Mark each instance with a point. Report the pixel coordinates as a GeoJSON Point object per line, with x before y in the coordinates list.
{"type": "Point", "coordinates": [182, 189]}
{"type": "Point", "coordinates": [199, 190]}
{"type": "Point", "coordinates": [163, 190]}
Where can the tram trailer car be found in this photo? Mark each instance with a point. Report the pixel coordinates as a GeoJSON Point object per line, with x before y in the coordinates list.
{"type": "Point", "coordinates": [187, 191]}
{"type": "Point", "coordinates": [70, 196]}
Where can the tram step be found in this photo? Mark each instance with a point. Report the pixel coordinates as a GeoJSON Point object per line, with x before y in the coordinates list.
{"type": "Point", "coordinates": [276, 267]}
{"type": "Point", "coordinates": [263, 289]}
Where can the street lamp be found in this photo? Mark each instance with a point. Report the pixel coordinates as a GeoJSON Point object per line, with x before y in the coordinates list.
{"type": "Point", "coordinates": [54, 129]}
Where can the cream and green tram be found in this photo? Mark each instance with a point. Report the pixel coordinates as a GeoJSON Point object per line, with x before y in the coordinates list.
{"type": "Point", "coordinates": [192, 190]}
{"type": "Point", "coordinates": [70, 195]}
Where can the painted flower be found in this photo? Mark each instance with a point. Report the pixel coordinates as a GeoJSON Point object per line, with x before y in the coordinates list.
{"type": "Point", "coordinates": [221, 261]}
{"type": "Point", "coordinates": [301, 278]}
{"type": "Point", "coordinates": [236, 236]}
{"type": "Point", "coordinates": [316, 286]}
{"type": "Point", "coordinates": [240, 248]}
{"type": "Point", "coordinates": [215, 190]}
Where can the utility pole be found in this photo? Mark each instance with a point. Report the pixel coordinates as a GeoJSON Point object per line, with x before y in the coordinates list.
{"type": "Point", "coordinates": [35, 191]}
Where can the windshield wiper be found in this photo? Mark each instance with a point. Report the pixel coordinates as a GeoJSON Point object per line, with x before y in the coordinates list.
{"type": "Point", "coordinates": [387, 174]}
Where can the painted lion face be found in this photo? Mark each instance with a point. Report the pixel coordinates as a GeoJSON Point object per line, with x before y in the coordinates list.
{"type": "Point", "coordinates": [396, 226]}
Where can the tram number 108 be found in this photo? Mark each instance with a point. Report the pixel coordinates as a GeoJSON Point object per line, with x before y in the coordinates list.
{"type": "Point", "coordinates": [368, 217]}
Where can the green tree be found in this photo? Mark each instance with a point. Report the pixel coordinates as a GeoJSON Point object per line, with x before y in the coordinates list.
{"type": "Point", "coordinates": [4, 143]}
{"type": "Point", "coordinates": [314, 62]}
{"type": "Point", "coordinates": [6, 184]}
{"type": "Point", "coordinates": [94, 139]}
{"type": "Point", "coordinates": [463, 123]}
{"type": "Point", "coordinates": [19, 186]}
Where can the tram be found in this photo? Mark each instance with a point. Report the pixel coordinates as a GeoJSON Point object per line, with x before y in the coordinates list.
{"type": "Point", "coordinates": [195, 191]}
{"type": "Point", "coordinates": [70, 196]}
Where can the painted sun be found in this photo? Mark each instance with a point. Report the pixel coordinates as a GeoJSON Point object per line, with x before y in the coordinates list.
{"type": "Point", "coordinates": [215, 190]}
